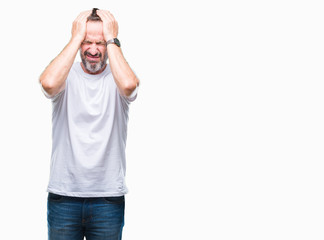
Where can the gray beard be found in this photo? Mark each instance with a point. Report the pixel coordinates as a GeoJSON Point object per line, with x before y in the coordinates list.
{"type": "Point", "coordinates": [94, 67]}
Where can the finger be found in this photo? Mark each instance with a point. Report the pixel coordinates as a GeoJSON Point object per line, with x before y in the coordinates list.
{"type": "Point", "coordinates": [101, 15]}
{"type": "Point", "coordinates": [106, 15]}
{"type": "Point", "coordinates": [111, 16]}
{"type": "Point", "coordinates": [83, 16]}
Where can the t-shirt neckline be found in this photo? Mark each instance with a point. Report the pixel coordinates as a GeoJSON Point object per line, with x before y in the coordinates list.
{"type": "Point", "coordinates": [92, 76]}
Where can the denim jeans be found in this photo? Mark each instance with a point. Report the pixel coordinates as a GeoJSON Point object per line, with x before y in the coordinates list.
{"type": "Point", "coordinates": [72, 218]}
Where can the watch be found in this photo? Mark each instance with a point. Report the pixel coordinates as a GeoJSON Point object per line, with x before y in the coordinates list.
{"type": "Point", "coordinates": [115, 41]}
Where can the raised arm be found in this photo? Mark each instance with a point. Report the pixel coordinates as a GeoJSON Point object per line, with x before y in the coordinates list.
{"type": "Point", "coordinates": [54, 76]}
{"type": "Point", "coordinates": [125, 78]}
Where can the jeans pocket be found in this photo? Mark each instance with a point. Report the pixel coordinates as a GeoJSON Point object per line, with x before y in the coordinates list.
{"type": "Point", "coordinates": [54, 197]}
{"type": "Point", "coordinates": [114, 200]}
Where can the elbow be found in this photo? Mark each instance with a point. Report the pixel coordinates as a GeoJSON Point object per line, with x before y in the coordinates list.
{"type": "Point", "coordinates": [47, 86]}
{"type": "Point", "coordinates": [129, 88]}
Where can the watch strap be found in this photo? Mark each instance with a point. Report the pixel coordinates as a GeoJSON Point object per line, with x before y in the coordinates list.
{"type": "Point", "coordinates": [114, 41]}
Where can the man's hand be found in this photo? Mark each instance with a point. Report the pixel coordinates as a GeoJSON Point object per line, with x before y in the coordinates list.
{"type": "Point", "coordinates": [110, 25]}
{"type": "Point", "coordinates": [124, 76]}
{"type": "Point", "coordinates": [54, 76]}
{"type": "Point", "coordinates": [79, 26]}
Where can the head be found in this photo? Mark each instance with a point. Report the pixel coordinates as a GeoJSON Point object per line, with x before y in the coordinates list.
{"type": "Point", "coordinates": [93, 50]}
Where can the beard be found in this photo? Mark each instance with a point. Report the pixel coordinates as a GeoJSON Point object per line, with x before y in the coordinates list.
{"type": "Point", "coordinates": [92, 66]}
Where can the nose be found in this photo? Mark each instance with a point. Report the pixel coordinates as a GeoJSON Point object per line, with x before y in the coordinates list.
{"type": "Point", "coordinates": [93, 50]}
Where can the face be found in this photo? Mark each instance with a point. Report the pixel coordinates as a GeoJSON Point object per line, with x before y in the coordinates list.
{"type": "Point", "coordinates": [93, 50]}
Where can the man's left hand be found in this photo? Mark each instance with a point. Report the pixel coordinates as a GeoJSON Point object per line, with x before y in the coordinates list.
{"type": "Point", "coordinates": [110, 25]}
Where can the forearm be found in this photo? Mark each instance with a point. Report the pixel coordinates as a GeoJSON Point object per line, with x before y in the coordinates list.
{"type": "Point", "coordinates": [124, 76]}
{"type": "Point", "coordinates": [54, 76]}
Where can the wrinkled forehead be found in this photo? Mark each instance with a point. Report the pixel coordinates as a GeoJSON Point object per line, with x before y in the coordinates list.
{"type": "Point", "coordinates": [94, 31]}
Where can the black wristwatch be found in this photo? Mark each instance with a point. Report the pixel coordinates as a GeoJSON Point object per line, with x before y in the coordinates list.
{"type": "Point", "coordinates": [115, 41]}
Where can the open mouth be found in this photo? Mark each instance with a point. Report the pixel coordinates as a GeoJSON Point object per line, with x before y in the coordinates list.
{"type": "Point", "coordinates": [91, 57]}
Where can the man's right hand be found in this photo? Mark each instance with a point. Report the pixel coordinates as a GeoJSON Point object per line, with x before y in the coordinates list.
{"type": "Point", "coordinates": [54, 76]}
{"type": "Point", "coordinates": [79, 26]}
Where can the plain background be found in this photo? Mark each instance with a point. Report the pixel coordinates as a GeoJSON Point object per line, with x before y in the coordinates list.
{"type": "Point", "coordinates": [226, 137]}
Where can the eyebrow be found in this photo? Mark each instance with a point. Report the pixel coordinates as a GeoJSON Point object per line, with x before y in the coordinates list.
{"type": "Point", "coordinates": [90, 42]}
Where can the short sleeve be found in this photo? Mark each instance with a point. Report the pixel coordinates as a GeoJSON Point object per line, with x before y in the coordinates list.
{"type": "Point", "coordinates": [48, 96]}
{"type": "Point", "coordinates": [131, 97]}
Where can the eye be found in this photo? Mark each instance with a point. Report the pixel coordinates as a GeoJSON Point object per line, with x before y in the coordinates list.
{"type": "Point", "coordinates": [101, 43]}
{"type": "Point", "coordinates": [87, 42]}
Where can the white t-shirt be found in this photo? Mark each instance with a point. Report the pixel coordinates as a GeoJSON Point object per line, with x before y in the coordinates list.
{"type": "Point", "coordinates": [89, 136]}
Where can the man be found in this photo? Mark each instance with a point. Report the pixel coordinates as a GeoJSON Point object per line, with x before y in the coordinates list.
{"type": "Point", "coordinates": [90, 113]}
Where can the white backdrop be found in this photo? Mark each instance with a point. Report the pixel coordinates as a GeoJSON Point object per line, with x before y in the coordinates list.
{"type": "Point", "coordinates": [226, 137]}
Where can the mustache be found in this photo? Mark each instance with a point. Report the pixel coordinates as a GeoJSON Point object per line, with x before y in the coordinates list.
{"type": "Point", "coordinates": [86, 53]}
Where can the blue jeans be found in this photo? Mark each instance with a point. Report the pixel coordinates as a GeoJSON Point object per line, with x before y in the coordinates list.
{"type": "Point", "coordinates": [72, 218]}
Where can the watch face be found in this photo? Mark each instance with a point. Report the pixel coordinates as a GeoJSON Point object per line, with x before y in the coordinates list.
{"type": "Point", "coordinates": [116, 41]}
